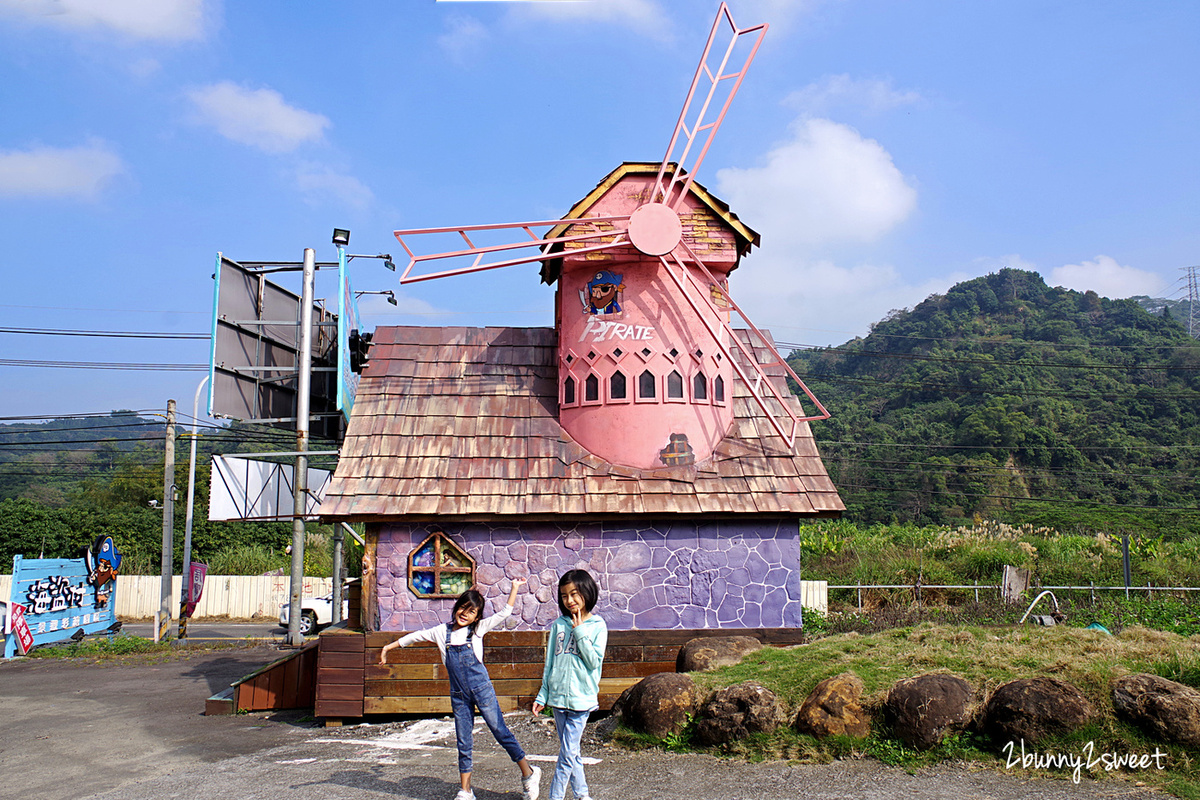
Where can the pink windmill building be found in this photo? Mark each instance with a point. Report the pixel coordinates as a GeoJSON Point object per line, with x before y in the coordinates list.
{"type": "Point", "coordinates": [643, 438]}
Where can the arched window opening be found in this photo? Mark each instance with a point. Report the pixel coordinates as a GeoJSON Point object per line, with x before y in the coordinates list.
{"type": "Point", "coordinates": [646, 388]}
{"type": "Point", "coordinates": [719, 389]}
{"type": "Point", "coordinates": [591, 389]}
{"type": "Point", "coordinates": [569, 391]}
{"type": "Point", "coordinates": [699, 387]}
{"type": "Point", "coordinates": [674, 386]}
{"type": "Point", "coordinates": [616, 386]}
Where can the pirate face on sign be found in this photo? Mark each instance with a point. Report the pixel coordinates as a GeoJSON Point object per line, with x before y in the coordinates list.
{"type": "Point", "coordinates": [103, 562]}
{"type": "Point", "coordinates": [604, 293]}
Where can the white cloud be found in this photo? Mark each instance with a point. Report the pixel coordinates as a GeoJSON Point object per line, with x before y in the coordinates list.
{"type": "Point", "coordinates": [1106, 277]}
{"type": "Point", "coordinates": [644, 16]}
{"type": "Point", "coordinates": [79, 172]}
{"type": "Point", "coordinates": [842, 91]}
{"type": "Point", "coordinates": [818, 302]}
{"type": "Point", "coordinates": [256, 117]}
{"type": "Point", "coordinates": [827, 185]}
{"type": "Point", "coordinates": [161, 20]}
{"type": "Point", "coordinates": [825, 188]}
{"type": "Point", "coordinates": [406, 304]}
{"type": "Point", "coordinates": [320, 184]}
{"type": "Point", "coordinates": [464, 38]}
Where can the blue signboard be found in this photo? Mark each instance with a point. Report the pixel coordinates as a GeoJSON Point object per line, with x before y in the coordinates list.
{"type": "Point", "coordinates": [62, 596]}
{"type": "Point", "coordinates": [347, 380]}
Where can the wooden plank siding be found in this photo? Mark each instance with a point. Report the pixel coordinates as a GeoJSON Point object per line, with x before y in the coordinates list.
{"type": "Point", "coordinates": [339, 691]}
{"type": "Point", "coordinates": [352, 683]}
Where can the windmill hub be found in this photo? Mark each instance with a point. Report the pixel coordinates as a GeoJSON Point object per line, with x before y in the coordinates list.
{"type": "Point", "coordinates": [655, 229]}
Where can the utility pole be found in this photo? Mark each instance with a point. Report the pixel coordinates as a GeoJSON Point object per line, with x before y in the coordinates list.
{"type": "Point", "coordinates": [300, 484]}
{"type": "Point", "coordinates": [1193, 321]}
{"type": "Point", "coordinates": [162, 626]}
{"type": "Point", "coordinates": [186, 597]}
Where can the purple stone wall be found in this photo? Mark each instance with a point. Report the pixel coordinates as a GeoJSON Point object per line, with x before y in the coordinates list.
{"type": "Point", "coordinates": [722, 574]}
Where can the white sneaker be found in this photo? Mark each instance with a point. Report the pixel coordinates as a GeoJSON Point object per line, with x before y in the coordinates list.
{"type": "Point", "coordinates": [531, 787]}
{"type": "Point", "coordinates": [465, 794]}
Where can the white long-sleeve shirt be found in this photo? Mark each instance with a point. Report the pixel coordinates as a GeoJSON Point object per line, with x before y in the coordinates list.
{"type": "Point", "coordinates": [437, 634]}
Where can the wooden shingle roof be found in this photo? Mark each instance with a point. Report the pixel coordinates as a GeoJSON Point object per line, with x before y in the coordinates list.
{"type": "Point", "coordinates": [462, 423]}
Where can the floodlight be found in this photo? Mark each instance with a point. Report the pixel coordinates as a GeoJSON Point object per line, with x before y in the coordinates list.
{"type": "Point", "coordinates": [388, 263]}
{"type": "Point", "coordinates": [341, 237]}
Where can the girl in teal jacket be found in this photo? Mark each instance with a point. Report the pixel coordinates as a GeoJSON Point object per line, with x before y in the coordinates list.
{"type": "Point", "coordinates": [571, 678]}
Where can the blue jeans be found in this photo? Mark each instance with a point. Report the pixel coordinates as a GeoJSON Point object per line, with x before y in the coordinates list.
{"type": "Point", "coordinates": [471, 688]}
{"type": "Point", "coordinates": [569, 768]}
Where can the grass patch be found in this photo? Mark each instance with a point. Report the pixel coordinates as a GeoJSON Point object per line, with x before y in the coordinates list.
{"type": "Point", "coordinates": [984, 656]}
{"type": "Point", "coordinates": [131, 649]}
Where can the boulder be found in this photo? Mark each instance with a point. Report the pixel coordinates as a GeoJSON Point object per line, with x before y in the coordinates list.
{"type": "Point", "coordinates": [715, 651]}
{"type": "Point", "coordinates": [1163, 708]}
{"type": "Point", "coordinates": [835, 708]}
{"type": "Point", "coordinates": [658, 705]}
{"type": "Point", "coordinates": [922, 710]}
{"type": "Point", "coordinates": [737, 711]}
{"type": "Point", "coordinates": [1032, 708]}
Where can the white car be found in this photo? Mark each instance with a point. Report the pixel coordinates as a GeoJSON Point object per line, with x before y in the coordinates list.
{"type": "Point", "coordinates": [315, 612]}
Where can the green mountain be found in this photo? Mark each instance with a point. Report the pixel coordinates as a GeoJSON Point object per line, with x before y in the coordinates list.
{"type": "Point", "coordinates": [1009, 399]}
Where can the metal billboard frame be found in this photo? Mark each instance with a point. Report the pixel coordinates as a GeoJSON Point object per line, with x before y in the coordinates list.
{"type": "Point", "coordinates": [254, 352]}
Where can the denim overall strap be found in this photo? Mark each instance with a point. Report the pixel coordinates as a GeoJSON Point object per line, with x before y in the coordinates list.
{"type": "Point", "coordinates": [465, 669]}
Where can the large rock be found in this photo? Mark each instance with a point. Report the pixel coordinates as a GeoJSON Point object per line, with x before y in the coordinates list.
{"type": "Point", "coordinates": [737, 711]}
{"type": "Point", "coordinates": [1163, 708]}
{"type": "Point", "coordinates": [922, 710]}
{"type": "Point", "coordinates": [715, 651]}
{"type": "Point", "coordinates": [1032, 708]}
{"type": "Point", "coordinates": [835, 708]}
{"type": "Point", "coordinates": [658, 705]}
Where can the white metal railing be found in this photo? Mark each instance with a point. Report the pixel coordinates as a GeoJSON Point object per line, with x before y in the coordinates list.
{"type": "Point", "coordinates": [918, 586]}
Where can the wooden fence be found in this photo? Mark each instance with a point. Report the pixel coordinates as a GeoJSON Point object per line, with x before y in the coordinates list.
{"type": "Point", "coordinates": [234, 596]}
{"type": "Point", "coordinates": [257, 596]}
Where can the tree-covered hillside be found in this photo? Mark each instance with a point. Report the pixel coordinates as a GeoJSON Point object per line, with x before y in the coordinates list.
{"type": "Point", "coordinates": [66, 481]}
{"type": "Point", "coordinates": [1008, 399]}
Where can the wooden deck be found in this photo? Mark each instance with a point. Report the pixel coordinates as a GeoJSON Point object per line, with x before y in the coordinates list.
{"type": "Point", "coordinates": [351, 683]}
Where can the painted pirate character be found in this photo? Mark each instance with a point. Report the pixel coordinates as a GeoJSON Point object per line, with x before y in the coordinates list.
{"type": "Point", "coordinates": [603, 295]}
{"type": "Point", "coordinates": [103, 563]}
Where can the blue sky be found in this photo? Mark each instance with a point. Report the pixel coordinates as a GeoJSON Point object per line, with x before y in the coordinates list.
{"type": "Point", "coordinates": [884, 150]}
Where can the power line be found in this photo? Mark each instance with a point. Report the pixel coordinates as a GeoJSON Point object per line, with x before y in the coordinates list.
{"type": "Point", "coordinates": [928, 446]}
{"type": "Point", "coordinates": [106, 334]}
{"type": "Point", "coordinates": [991, 362]}
{"type": "Point", "coordinates": [144, 367]}
{"type": "Point", "coordinates": [997, 390]}
{"type": "Point", "coordinates": [1049, 500]}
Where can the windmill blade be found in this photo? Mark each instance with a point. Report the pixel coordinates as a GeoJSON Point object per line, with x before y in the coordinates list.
{"type": "Point", "coordinates": [673, 187]}
{"type": "Point", "coordinates": [756, 379]}
{"type": "Point", "coordinates": [588, 234]}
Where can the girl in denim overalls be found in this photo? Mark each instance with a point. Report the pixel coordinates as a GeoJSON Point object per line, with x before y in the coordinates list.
{"type": "Point", "coordinates": [571, 678]}
{"type": "Point", "coordinates": [461, 644]}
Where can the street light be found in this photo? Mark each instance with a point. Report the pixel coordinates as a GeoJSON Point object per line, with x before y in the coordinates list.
{"type": "Point", "coordinates": [387, 259]}
{"type": "Point", "coordinates": [341, 237]}
{"type": "Point", "coordinates": [391, 296]}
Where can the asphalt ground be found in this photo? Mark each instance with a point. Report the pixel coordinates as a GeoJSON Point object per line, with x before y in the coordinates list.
{"type": "Point", "coordinates": [136, 731]}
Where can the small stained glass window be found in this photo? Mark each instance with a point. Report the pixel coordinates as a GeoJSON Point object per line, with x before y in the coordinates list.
{"type": "Point", "coordinates": [439, 568]}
